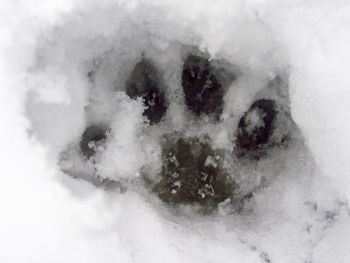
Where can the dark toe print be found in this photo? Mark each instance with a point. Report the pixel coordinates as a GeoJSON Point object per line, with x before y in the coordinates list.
{"type": "Point", "coordinates": [256, 125]}
{"type": "Point", "coordinates": [192, 173]}
{"type": "Point", "coordinates": [203, 92]}
{"type": "Point", "coordinates": [93, 137]}
{"type": "Point", "coordinates": [144, 82]}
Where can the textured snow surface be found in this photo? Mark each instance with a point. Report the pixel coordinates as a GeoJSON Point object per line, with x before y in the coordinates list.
{"type": "Point", "coordinates": [65, 66]}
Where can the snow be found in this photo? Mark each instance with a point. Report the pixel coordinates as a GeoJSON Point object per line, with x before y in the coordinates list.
{"type": "Point", "coordinates": [63, 67]}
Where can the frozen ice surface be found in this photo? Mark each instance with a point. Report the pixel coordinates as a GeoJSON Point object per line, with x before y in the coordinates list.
{"type": "Point", "coordinates": [70, 193]}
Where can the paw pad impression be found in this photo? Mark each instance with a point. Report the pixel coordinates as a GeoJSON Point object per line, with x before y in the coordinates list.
{"type": "Point", "coordinates": [145, 83]}
{"type": "Point", "coordinates": [192, 172]}
{"type": "Point", "coordinates": [203, 91]}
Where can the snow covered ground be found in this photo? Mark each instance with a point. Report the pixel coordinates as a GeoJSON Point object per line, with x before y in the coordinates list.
{"type": "Point", "coordinates": [69, 65]}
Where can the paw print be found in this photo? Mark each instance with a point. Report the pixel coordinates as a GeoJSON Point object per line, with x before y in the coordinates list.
{"type": "Point", "coordinates": [193, 170]}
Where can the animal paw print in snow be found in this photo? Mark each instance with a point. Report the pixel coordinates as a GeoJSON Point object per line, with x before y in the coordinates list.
{"type": "Point", "coordinates": [192, 171]}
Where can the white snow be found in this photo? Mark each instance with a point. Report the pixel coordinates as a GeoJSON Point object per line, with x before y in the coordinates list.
{"type": "Point", "coordinates": [299, 211]}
